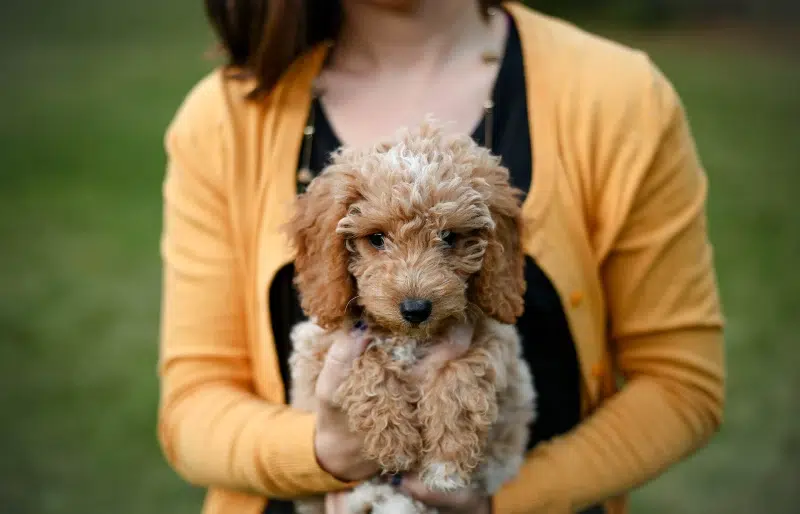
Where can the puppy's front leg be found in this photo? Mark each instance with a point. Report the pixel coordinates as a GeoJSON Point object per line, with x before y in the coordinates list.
{"type": "Point", "coordinates": [516, 405]}
{"type": "Point", "coordinates": [457, 408]}
{"type": "Point", "coordinates": [380, 403]}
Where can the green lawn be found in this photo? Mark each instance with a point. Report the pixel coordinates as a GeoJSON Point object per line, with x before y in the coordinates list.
{"type": "Point", "coordinates": [87, 89]}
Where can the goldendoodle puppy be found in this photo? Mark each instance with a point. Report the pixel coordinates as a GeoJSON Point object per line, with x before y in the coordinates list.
{"type": "Point", "coordinates": [408, 238]}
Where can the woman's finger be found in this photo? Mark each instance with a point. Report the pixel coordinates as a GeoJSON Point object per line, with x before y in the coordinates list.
{"type": "Point", "coordinates": [455, 343]}
{"type": "Point", "coordinates": [461, 334]}
{"type": "Point", "coordinates": [414, 487]}
{"type": "Point", "coordinates": [336, 503]}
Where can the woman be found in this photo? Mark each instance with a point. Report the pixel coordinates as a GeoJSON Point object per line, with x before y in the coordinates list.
{"type": "Point", "coordinates": [621, 286]}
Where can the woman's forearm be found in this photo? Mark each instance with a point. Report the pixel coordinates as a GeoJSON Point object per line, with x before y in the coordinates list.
{"type": "Point", "coordinates": [671, 405]}
{"type": "Point", "coordinates": [216, 434]}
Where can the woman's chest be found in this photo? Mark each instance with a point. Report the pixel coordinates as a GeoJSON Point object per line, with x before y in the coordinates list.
{"type": "Point", "coordinates": [366, 112]}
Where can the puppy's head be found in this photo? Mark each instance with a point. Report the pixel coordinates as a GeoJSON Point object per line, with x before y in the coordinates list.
{"type": "Point", "coordinates": [414, 234]}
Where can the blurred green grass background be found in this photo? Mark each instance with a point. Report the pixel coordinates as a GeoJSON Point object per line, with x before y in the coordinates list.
{"type": "Point", "coordinates": [87, 89]}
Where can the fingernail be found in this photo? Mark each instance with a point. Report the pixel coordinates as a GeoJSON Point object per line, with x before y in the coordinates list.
{"type": "Point", "coordinates": [396, 480]}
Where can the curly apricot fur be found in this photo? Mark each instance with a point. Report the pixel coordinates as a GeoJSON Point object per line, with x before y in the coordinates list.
{"type": "Point", "coordinates": [467, 422]}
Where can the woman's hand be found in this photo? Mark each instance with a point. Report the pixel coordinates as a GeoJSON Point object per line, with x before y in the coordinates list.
{"type": "Point", "coordinates": [338, 450]}
{"type": "Point", "coordinates": [467, 501]}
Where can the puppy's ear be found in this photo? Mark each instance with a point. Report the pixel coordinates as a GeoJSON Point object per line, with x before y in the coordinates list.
{"type": "Point", "coordinates": [499, 287]}
{"type": "Point", "coordinates": [322, 279]}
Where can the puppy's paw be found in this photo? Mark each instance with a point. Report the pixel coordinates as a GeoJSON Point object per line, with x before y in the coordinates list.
{"type": "Point", "coordinates": [443, 477]}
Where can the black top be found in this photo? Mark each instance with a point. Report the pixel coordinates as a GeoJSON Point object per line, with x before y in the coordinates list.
{"type": "Point", "coordinates": [547, 342]}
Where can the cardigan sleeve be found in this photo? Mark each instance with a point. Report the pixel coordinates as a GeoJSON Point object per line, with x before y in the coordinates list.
{"type": "Point", "coordinates": [664, 314]}
{"type": "Point", "coordinates": [213, 429]}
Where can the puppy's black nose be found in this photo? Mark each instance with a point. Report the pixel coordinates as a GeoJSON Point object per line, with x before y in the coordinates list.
{"type": "Point", "coordinates": [416, 311]}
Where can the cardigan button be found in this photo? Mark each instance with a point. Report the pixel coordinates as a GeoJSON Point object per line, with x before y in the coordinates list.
{"type": "Point", "coordinates": [576, 298]}
{"type": "Point", "coordinates": [305, 176]}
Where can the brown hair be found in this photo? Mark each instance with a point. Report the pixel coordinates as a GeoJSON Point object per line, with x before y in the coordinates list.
{"type": "Point", "coordinates": [263, 37]}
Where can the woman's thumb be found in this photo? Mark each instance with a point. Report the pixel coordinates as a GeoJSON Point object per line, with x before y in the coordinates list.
{"type": "Point", "coordinates": [338, 362]}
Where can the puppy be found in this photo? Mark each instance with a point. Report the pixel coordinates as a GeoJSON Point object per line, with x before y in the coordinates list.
{"type": "Point", "coordinates": [408, 238]}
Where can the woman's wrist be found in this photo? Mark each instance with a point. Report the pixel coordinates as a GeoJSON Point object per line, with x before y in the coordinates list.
{"type": "Point", "coordinates": [341, 458]}
{"type": "Point", "coordinates": [326, 459]}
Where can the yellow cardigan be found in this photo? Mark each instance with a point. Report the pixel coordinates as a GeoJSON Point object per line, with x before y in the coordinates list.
{"type": "Point", "coordinates": [617, 221]}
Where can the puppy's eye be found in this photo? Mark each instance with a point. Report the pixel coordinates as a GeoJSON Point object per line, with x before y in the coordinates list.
{"type": "Point", "coordinates": [377, 240]}
{"type": "Point", "coordinates": [448, 238]}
